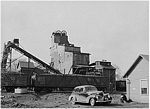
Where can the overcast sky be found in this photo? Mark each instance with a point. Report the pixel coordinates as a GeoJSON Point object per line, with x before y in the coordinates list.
{"type": "Point", "coordinates": [116, 31]}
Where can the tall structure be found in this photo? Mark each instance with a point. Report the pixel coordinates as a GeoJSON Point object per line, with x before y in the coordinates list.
{"type": "Point", "coordinates": [64, 56]}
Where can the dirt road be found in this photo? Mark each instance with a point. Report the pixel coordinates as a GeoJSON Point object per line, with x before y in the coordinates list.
{"type": "Point", "coordinates": [57, 100]}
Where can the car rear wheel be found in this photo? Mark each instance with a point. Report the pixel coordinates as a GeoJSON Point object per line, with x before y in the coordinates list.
{"type": "Point", "coordinates": [92, 102]}
{"type": "Point", "coordinates": [73, 100]}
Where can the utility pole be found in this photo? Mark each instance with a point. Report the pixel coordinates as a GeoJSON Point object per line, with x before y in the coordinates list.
{"type": "Point", "coordinates": [10, 57]}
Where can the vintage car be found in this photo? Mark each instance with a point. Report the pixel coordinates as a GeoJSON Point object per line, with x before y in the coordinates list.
{"type": "Point", "coordinates": [89, 94]}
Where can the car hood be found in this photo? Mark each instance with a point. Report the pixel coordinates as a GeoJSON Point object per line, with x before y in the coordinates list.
{"type": "Point", "coordinates": [94, 92]}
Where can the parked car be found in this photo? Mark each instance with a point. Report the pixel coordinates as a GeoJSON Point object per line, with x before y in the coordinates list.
{"type": "Point", "coordinates": [89, 94]}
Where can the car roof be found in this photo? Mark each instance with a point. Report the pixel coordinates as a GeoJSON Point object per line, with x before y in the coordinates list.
{"type": "Point", "coordinates": [84, 86]}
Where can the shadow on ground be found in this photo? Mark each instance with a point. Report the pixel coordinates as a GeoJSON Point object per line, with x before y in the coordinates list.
{"type": "Point", "coordinates": [99, 104]}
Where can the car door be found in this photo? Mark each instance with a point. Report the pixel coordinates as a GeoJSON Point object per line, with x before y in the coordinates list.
{"type": "Point", "coordinates": [82, 95]}
{"type": "Point", "coordinates": [76, 94]}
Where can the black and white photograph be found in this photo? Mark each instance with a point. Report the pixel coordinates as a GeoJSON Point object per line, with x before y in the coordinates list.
{"type": "Point", "coordinates": [75, 54]}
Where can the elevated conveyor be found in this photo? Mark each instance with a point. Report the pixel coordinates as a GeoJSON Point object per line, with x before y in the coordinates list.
{"type": "Point", "coordinates": [24, 52]}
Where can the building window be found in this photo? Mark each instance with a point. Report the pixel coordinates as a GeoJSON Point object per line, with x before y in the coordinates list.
{"type": "Point", "coordinates": [144, 86]}
{"type": "Point", "coordinates": [143, 90]}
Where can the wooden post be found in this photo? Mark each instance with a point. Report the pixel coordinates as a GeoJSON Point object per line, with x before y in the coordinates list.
{"type": "Point", "coordinates": [10, 57]}
{"type": "Point", "coordinates": [28, 64]}
{"type": "Point", "coordinates": [128, 88]}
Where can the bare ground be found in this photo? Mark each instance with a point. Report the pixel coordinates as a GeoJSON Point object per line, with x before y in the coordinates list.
{"type": "Point", "coordinates": [57, 100]}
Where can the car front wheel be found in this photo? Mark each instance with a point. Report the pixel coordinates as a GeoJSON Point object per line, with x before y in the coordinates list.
{"type": "Point", "coordinates": [92, 102]}
{"type": "Point", "coordinates": [73, 100]}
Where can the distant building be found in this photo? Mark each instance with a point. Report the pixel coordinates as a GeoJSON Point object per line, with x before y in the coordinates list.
{"type": "Point", "coordinates": [106, 70]}
{"type": "Point", "coordinates": [25, 67]}
{"type": "Point", "coordinates": [64, 56]}
{"type": "Point", "coordinates": [138, 80]}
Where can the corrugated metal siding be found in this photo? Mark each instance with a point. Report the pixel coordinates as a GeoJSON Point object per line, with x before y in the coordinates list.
{"type": "Point", "coordinates": [140, 72]}
{"type": "Point", "coordinates": [110, 73]}
{"type": "Point", "coordinates": [57, 56]}
{"type": "Point", "coordinates": [81, 59]}
{"type": "Point", "coordinates": [72, 49]}
{"type": "Point", "coordinates": [61, 60]}
{"type": "Point", "coordinates": [68, 62]}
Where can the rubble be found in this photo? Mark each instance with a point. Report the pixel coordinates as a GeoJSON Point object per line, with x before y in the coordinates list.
{"type": "Point", "coordinates": [57, 100]}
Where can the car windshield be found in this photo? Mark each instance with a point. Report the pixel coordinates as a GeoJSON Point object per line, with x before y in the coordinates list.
{"type": "Point", "coordinates": [90, 89]}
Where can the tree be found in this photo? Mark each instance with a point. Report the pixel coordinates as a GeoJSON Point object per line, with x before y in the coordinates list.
{"type": "Point", "coordinates": [119, 72]}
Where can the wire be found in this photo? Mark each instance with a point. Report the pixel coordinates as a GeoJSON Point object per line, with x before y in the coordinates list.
{"type": "Point", "coordinates": [15, 60]}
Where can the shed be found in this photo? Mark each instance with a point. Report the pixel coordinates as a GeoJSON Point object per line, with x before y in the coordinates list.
{"type": "Point", "coordinates": [25, 67]}
{"type": "Point", "coordinates": [105, 69]}
{"type": "Point", "coordinates": [137, 79]}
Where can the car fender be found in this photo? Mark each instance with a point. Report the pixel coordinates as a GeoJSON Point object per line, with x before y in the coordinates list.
{"type": "Point", "coordinates": [89, 97]}
{"type": "Point", "coordinates": [73, 96]}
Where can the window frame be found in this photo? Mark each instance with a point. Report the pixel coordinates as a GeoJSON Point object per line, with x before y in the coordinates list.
{"type": "Point", "coordinates": [146, 87]}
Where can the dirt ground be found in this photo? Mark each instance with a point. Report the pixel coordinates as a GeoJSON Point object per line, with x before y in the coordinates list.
{"type": "Point", "coordinates": [57, 100]}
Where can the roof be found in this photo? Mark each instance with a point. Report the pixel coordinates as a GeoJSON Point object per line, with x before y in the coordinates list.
{"type": "Point", "coordinates": [84, 86]}
{"type": "Point", "coordinates": [103, 66]}
{"type": "Point", "coordinates": [137, 61]}
{"type": "Point", "coordinates": [82, 66]}
{"type": "Point", "coordinates": [82, 53]}
{"type": "Point", "coordinates": [24, 64]}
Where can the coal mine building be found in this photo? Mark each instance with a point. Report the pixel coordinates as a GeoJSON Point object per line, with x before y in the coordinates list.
{"type": "Point", "coordinates": [68, 59]}
{"type": "Point", "coordinates": [64, 56]}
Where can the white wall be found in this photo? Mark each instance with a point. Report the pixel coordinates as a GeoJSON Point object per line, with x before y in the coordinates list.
{"type": "Point", "coordinates": [140, 72]}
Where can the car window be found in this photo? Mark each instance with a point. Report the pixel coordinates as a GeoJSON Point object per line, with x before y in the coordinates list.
{"type": "Point", "coordinates": [81, 90]}
{"type": "Point", "coordinates": [90, 89]}
{"type": "Point", "coordinates": [76, 90]}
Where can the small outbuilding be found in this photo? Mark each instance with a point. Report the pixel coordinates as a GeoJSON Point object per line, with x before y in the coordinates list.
{"type": "Point", "coordinates": [105, 69]}
{"type": "Point", "coordinates": [137, 79]}
{"type": "Point", "coordinates": [25, 67]}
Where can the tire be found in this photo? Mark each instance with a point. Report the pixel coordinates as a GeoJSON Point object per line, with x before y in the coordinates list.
{"type": "Point", "coordinates": [9, 89]}
{"type": "Point", "coordinates": [36, 89]}
{"type": "Point", "coordinates": [73, 100]}
{"type": "Point", "coordinates": [92, 102]}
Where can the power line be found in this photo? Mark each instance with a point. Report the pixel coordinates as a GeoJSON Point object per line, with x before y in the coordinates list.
{"type": "Point", "coordinates": [15, 60]}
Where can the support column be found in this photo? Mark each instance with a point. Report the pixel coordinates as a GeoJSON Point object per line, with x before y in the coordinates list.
{"type": "Point", "coordinates": [128, 82]}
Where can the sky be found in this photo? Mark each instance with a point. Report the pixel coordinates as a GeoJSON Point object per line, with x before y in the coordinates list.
{"type": "Point", "coordinates": [117, 31]}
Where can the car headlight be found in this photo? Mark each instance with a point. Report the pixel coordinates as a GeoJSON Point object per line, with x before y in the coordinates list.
{"type": "Point", "coordinates": [105, 98]}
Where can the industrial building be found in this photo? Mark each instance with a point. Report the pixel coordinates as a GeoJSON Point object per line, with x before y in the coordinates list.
{"type": "Point", "coordinates": [105, 69]}
{"type": "Point", "coordinates": [68, 59]}
{"type": "Point", "coordinates": [64, 56]}
{"type": "Point", "coordinates": [69, 68]}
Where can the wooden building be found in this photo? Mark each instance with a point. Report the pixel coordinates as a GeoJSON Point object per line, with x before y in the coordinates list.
{"type": "Point", "coordinates": [137, 79]}
{"type": "Point", "coordinates": [105, 69]}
